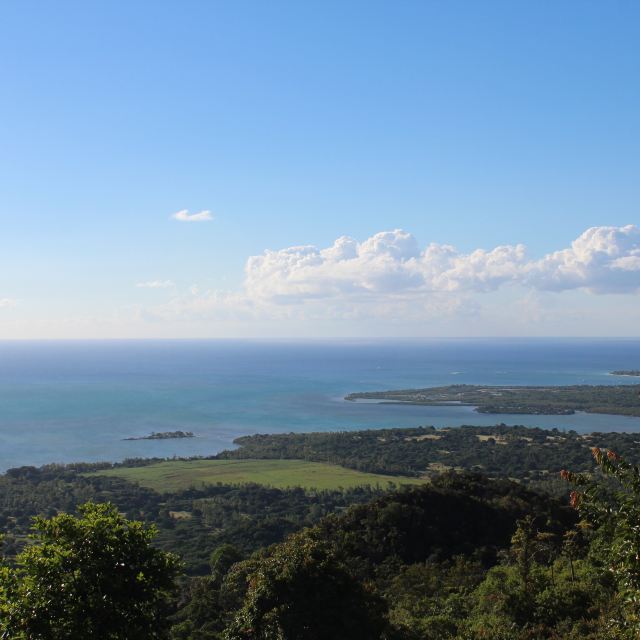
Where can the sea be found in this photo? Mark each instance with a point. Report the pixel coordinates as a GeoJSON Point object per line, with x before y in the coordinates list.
{"type": "Point", "coordinates": [71, 401]}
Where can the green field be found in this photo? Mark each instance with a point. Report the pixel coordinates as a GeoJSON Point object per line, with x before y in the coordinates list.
{"type": "Point", "coordinates": [175, 475]}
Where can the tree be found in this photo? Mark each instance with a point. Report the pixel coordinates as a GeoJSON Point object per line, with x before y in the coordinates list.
{"type": "Point", "coordinates": [93, 576]}
{"type": "Point", "coordinates": [201, 615]}
{"type": "Point", "coordinates": [222, 559]}
{"type": "Point", "coordinates": [302, 592]}
{"type": "Point", "coordinates": [616, 516]}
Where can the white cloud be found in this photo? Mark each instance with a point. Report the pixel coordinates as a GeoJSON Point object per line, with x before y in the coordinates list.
{"type": "Point", "coordinates": [7, 303]}
{"type": "Point", "coordinates": [388, 278]}
{"type": "Point", "coordinates": [156, 284]}
{"type": "Point", "coordinates": [184, 216]}
{"type": "Point", "coordinates": [389, 262]}
{"type": "Point", "coordinates": [601, 260]}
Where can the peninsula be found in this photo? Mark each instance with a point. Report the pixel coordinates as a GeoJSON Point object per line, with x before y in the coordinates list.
{"type": "Point", "coordinates": [164, 435]}
{"type": "Point", "coordinates": [609, 399]}
{"type": "Point", "coordinates": [626, 372]}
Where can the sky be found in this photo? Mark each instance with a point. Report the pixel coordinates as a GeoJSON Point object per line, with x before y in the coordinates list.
{"type": "Point", "coordinates": [261, 169]}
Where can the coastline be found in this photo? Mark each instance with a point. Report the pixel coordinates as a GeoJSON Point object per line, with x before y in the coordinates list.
{"type": "Point", "coordinates": [73, 402]}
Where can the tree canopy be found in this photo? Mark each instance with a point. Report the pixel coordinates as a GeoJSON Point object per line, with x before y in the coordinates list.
{"type": "Point", "coordinates": [95, 576]}
{"type": "Point", "coordinates": [300, 591]}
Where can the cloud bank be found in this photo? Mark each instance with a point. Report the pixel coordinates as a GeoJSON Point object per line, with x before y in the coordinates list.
{"type": "Point", "coordinates": [601, 260]}
{"type": "Point", "coordinates": [391, 280]}
{"type": "Point", "coordinates": [184, 216]}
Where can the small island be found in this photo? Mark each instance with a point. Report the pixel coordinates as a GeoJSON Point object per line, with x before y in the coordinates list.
{"type": "Point", "coordinates": [626, 372]}
{"type": "Point", "coordinates": [164, 435]}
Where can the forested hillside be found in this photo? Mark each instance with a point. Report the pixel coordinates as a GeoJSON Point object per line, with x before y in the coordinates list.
{"type": "Point", "coordinates": [463, 557]}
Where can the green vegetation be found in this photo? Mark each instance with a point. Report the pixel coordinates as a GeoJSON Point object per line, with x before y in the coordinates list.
{"type": "Point", "coordinates": [175, 475]}
{"type": "Point", "coordinates": [461, 557]}
{"type": "Point", "coordinates": [165, 435]}
{"type": "Point", "coordinates": [464, 558]}
{"type": "Point", "coordinates": [614, 400]}
{"type": "Point", "coordinates": [412, 559]}
{"type": "Point", "coordinates": [529, 454]}
{"type": "Point", "coordinates": [192, 522]}
{"type": "Point", "coordinates": [96, 576]}
{"type": "Point", "coordinates": [615, 510]}
{"type": "Point", "coordinates": [303, 591]}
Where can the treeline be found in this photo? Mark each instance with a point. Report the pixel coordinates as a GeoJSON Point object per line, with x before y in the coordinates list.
{"type": "Point", "coordinates": [525, 453]}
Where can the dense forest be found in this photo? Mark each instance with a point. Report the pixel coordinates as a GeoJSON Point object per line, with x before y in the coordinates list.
{"type": "Point", "coordinates": [464, 557]}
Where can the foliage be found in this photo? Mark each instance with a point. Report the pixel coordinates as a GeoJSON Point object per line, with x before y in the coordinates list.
{"type": "Point", "coordinates": [615, 512]}
{"type": "Point", "coordinates": [191, 522]}
{"type": "Point", "coordinates": [222, 559]}
{"type": "Point", "coordinates": [300, 591]}
{"type": "Point", "coordinates": [464, 557]}
{"type": "Point", "coordinates": [455, 514]}
{"type": "Point", "coordinates": [423, 550]}
{"type": "Point", "coordinates": [95, 576]}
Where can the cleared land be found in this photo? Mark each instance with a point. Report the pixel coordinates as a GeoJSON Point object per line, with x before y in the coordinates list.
{"type": "Point", "coordinates": [611, 399]}
{"type": "Point", "coordinates": [175, 475]}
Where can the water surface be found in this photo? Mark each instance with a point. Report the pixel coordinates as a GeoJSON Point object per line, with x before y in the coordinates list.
{"type": "Point", "coordinates": [73, 401]}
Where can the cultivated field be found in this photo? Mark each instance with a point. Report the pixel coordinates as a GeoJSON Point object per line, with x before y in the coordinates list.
{"type": "Point", "coordinates": [175, 475]}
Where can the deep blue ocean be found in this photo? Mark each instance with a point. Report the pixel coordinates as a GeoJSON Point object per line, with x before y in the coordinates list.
{"type": "Point", "coordinates": [74, 401]}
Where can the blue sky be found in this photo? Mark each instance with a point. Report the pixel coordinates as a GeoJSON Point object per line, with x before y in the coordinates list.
{"type": "Point", "coordinates": [472, 124]}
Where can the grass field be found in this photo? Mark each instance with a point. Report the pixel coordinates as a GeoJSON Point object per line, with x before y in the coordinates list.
{"type": "Point", "coordinates": [175, 475]}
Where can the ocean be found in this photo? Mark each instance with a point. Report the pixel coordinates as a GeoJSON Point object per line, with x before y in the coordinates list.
{"type": "Point", "coordinates": [66, 401]}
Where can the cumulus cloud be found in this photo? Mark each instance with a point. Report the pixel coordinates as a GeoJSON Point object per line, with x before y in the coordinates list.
{"type": "Point", "coordinates": [184, 216]}
{"type": "Point", "coordinates": [156, 284]}
{"type": "Point", "coordinates": [602, 260]}
{"type": "Point", "coordinates": [391, 263]}
{"type": "Point", "coordinates": [390, 278]}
